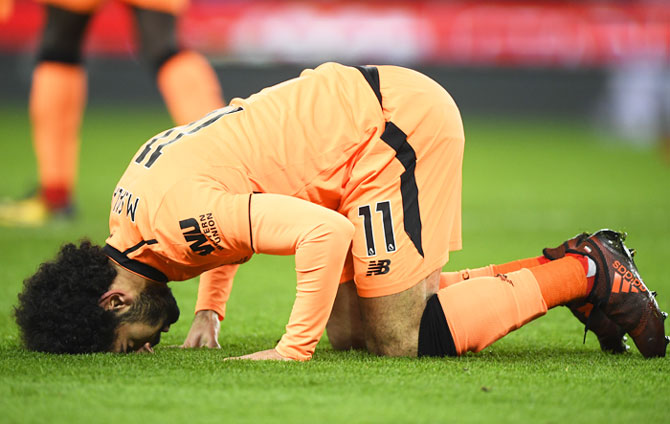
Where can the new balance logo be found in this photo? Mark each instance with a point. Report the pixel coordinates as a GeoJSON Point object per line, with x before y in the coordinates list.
{"type": "Point", "coordinates": [193, 235]}
{"type": "Point", "coordinates": [382, 266]}
{"type": "Point", "coordinates": [625, 281]}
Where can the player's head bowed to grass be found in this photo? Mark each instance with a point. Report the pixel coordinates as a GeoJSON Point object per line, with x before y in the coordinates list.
{"type": "Point", "coordinates": [76, 304]}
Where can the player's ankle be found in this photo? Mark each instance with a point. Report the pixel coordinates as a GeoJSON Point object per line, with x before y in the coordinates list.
{"type": "Point", "coordinates": [56, 197]}
{"type": "Point", "coordinates": [589, 268]}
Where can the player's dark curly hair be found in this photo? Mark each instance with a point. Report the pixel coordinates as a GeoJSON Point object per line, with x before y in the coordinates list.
{"type": "Point", "coordinates": [58, 310]}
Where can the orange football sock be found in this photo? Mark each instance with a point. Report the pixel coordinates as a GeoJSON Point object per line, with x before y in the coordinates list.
{"type": "Point", "coordinates": [562, 280]}
{"type": "Point", "coordinates": [189, 87]}
{"type": "Point", "coordinates": [57, 101]}
{"type": "Point", "coordinates": [481, 310]}
{"type": "Point", "coordinates": [520, 264]}
{"type": "Point", "coordinates": [449, 278]}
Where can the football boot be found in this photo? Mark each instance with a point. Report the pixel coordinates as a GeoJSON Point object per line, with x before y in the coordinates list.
{"type": "Point", "coordinates": [610, 336]}
{"type": "Point", "coordinates": [621, 294]}
{"type": "Point", "coordinates": [32, 211]}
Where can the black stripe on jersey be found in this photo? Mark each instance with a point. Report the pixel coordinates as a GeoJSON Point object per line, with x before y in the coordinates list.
{"type": "Point", "coordinates": [210, 121]}
{"type": "Point", "coordinates": [371, 75]}
{"type": "Point", "coordinates": [137, 267]}
{"type": "Point", "coordinates": [149, 145]}
{"type": "Point", "coordinates": [159, 149]}
{"type": "Point", "coordinates": [251, 237]}
{"type": "Point", "coordinates": [397, 140]}
{"type": "Point", "coordinates": [138, 245]}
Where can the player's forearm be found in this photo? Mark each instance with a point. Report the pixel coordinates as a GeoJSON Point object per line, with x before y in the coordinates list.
{"type": "Point", "coordinates": [320, 240]}
{"type": "Point", "coordinates": [319, 263]}
{"type": "Point", "coordinates": [214, 289]}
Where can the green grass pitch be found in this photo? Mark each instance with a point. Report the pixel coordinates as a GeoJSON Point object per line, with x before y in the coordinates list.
{"type": "Point", "coordinates": [526, 185]}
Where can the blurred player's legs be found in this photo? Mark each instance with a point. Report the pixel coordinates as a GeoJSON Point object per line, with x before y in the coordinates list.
{"type": "Point", "coordinates": [6, 7]}
{"type": "Point", "coordinates": [57, 100]}
{"type": "Point", "coordinates": [189, 87]}
{"type": "Point", "coordinates": [185, 79]}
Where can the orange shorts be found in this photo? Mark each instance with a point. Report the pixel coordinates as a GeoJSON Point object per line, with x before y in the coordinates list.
{"type": "Point", "coordinates": [88, 6]}
{"type": "Point", "coordinates": [404, 194]}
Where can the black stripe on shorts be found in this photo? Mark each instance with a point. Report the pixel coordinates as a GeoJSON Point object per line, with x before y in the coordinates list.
{"type": "Point", "coordinates": [397, 140]}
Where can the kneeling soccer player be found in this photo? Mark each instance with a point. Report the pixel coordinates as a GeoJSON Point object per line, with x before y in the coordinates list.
{"type": "Point", "coordinates": [356, 171]}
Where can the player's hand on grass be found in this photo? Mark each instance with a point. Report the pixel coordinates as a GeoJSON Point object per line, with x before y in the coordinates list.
{"type": "Point", "coordinates": [204, 331]}
{"type": "Point", "coordinates": [263, 355]}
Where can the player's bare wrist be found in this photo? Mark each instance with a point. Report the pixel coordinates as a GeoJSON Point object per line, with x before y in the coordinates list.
{"type": "Point", "coordinates": [207, 314]}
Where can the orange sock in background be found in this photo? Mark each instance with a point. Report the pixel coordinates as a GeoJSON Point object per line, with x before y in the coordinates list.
{"type": "Point", "coordinates": [189, 87]}
{"type": "Point", "coordinates": [449, 278]}
{"type": "Point", "coordinates": [57, 101]}
{"type": "Point", "coordinates": [481, 310]}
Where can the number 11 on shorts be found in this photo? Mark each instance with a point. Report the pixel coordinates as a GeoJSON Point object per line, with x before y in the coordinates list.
{"type": "Point", "coordinates": [384, 208]}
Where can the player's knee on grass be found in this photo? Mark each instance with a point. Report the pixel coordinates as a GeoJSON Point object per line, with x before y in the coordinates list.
{"type": "Point", "coordinates": [345, 327]}
{"type": "Point", "coordinates": [391, 336]}
{"type": "Point", "coordinates": [392, 322]}
{"type": "Point", "coordinates": [62, 36]}
{"type": "Point", "coordinates": [157, 36]}
{"type": "Point", "coordinates": [392, 342]}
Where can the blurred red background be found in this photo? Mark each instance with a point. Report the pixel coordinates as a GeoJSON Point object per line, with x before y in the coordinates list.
{"type": "Point", "coordinates": [565, 34]}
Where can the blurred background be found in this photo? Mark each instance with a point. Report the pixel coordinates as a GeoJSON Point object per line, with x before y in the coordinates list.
{"type": "Point", "coordinates": [601, 62]}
